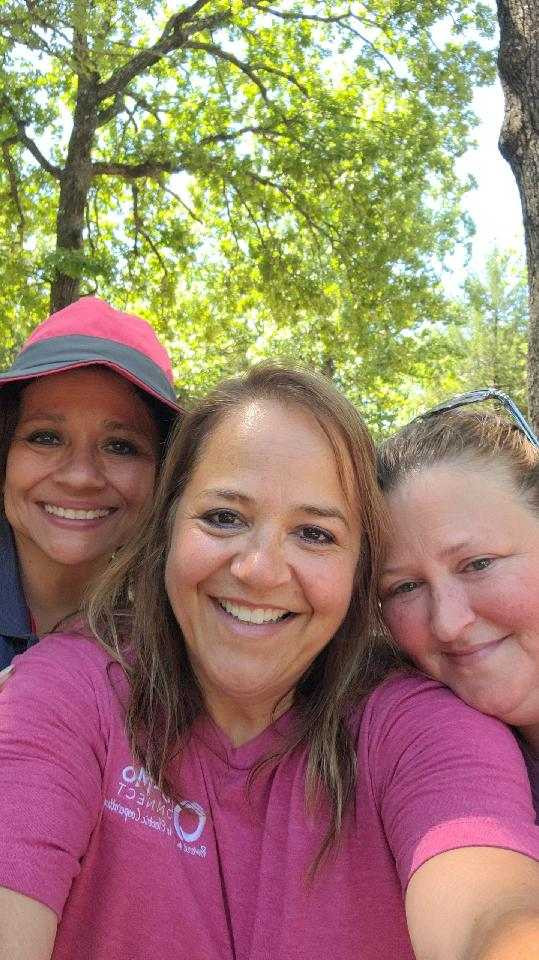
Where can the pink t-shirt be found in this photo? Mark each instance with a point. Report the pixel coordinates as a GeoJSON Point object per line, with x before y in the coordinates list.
{"type": "Point", "coordinates": [219, 874]}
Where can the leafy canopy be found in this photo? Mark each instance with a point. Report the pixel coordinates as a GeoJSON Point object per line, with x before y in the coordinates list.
{"type": "Point", "coordinates": [264, 177]}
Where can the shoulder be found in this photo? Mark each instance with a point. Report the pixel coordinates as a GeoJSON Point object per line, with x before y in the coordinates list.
{"type": "Point", "coordinates": [439, 775]}
{"type": "Point", "coordinates": [74, 650]}
{"type": "Point", "coordinates": [412, 700]}
{"type": "Point", "coordinates": [69, 670]}
{"type": "Point", "coordinates": [413, 721]}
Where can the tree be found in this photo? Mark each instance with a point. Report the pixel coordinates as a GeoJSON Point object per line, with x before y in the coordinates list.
{"type": "Point", "coordinates": [518, 63]}
{"type": "Point", "coordinates": [237, 165]}
{"type": "Point", "coordinates": [482, 344]}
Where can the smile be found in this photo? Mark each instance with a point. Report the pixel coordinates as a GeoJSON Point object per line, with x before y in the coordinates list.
{"type": "Point", "coordinates": [470, 652]}
{"type": "Point", "coordinates": [69, 514]}
{"type": "Point", "coordinates": [253, 614]}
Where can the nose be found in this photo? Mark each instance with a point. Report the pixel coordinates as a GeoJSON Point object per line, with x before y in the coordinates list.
{"type": "Point", "coordinates": [80, 469]}
{"type": "Point", "coordinates": [261, 563]}
{"type": "Point", "coordinates": [451, 613]}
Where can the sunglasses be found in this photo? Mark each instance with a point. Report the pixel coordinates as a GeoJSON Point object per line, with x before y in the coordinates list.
{"type": "Point", "coordinates": [477, 396]}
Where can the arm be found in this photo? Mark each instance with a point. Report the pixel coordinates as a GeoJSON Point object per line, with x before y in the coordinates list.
{"type": "Point", "coordinates": [475, 903]}
{"type": "Point", "coordinates": [455, 803]}
{"type": "Point", "coordinates": [52, 753]}
{"type": "Point", "coordinates": [27, 928]}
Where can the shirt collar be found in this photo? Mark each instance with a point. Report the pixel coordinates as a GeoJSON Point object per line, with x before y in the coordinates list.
{"type": "Point", "coordinates": [14, 616]}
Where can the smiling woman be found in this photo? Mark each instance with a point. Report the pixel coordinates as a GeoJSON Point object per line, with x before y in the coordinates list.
{"type": "Point", "coordinates": [220, 753]}
{"type": "Point", "coordinates": [459, 588]}
{"type": "Point", "coordinates": [84, 412]}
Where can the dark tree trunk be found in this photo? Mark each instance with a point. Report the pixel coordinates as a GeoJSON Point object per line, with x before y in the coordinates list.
{"type": "Point", "coordinates": [74, 186]}
{"type": "Point", "coordinates": [518, 64]}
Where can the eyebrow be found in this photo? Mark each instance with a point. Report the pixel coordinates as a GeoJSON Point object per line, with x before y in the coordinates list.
{"type": "Point", "coordinates": [446, 552]}
{"type": "Point", "coordinates": [330, 513]}
{"type": "Point", "coordinates": [60, 418]}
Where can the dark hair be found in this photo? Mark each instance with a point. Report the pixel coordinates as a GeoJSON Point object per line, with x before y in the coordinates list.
{"type": "Point", "coordinates": [10, 402]}
{"type": "Point", "coordinates": [461, 436]}
{"type": "Point", "coordinates": [165, 697]}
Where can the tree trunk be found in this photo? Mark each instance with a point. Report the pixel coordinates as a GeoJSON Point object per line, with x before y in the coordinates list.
{"type": "Point", "coordinates": [518, 64]}
{"type": "Point", "coordinates": [74, 186]}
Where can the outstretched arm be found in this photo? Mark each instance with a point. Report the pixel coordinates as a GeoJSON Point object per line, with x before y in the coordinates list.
{"type": "Point", "coordinates": [27, 928]}
{"type": "Point", "coordinates": [476, 903]}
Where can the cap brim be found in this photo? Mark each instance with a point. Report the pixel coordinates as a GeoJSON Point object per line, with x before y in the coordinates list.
{"type": "Point", "coordinates": [62, 354]}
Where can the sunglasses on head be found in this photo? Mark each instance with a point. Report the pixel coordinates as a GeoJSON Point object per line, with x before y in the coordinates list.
{"type": "Point", "coordinates": [477, 396]}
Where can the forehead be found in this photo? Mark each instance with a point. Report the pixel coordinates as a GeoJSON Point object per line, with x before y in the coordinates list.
{"type": "Point", "coordinates": [92, 384]}
{"type": "Point", "coordinates": [265, 441]}
{"type": "Point", "coordinates": [449, 500]}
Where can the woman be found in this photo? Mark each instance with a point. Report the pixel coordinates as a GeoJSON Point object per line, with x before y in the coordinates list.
{"type": "Point", "coordinates": [459, 585]}
{"type": "Point", "coordinates": [259, 808]}
{"type": "Point", "coordinates": [84, 411]}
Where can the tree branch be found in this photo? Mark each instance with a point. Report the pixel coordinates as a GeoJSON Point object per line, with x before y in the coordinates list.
{"type": "Point", "coordinates": [183, 204]}
{"type": "Point", "coordinates": [127, 171]}
{"type": "Point", "coordinates": [290, 15]}
{"type": "Point", "coordinates": [221, 54]}
{"type": "Point", "coordinates": [139, 229]}
{"type": "Point", "coordinates": [174, 35]}
{"type": "Point", "coordinates": [109, 113]}
{"type": "Point", "coordinates": [14, 189]}
{"type": "Point", "coordinates": [23, 138]}
{"type": "Point", "coordinates": [235, 134]}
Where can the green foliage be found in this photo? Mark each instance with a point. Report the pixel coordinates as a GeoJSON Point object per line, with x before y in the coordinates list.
{"type": "Point", "coordinates": [268, 178]}
{"type": "Point", "coordinates": [483, 343]}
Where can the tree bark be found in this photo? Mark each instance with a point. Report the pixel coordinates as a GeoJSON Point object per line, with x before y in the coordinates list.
{"type": "Point", "coordinates": [74, 186]}
{"type": "Point", "coordinates": [518, 65]}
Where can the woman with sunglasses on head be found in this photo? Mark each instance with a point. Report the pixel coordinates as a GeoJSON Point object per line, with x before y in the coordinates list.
{"type": "Point", "coordinates": [460, 581]}
{"type": "Point", "coordinates": [212, 781]}
{"type": "Point", "coordinates": [84, 413]}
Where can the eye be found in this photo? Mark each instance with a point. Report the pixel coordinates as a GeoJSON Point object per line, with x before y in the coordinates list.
{"type": "Point", "coordinates": [316, 535]}
{"type": "Point", "coordinates": [122, 447]}
{"type": "Point", "coordinates": [480, 563]}
{"type": "Point", "coordinates": [45, 438]}
{"type": "Point", "coordinates": [401, 589]}
{"type": "Point", "coordinates": [223, 519]}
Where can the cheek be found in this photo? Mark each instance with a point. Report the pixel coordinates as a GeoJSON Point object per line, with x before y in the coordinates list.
{"type": "Point", "coordinates": [329, 590]}
{"type": "Point", "coordinates": [193, 558]}
{"type": "Point", "coordinates": [135, 482]}
{"type": "Point", "coordinates": [20, 471]}
{"type": "Point", "coordinates": [407, 627]}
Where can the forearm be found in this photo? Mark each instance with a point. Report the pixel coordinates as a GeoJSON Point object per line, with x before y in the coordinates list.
{"type": "Point", "coordinates": [514, 937]}
{"type": "Point", "coordinates": [27, 928]}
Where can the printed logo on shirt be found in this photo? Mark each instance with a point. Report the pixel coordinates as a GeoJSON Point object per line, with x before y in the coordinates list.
{"type": "Point", "coordinates": [139, 800]}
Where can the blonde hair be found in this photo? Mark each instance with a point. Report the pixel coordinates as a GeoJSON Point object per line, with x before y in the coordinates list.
{"type": "Point", "coordinates": [462, 436]}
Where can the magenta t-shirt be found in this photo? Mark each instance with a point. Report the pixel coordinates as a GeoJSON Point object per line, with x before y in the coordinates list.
{"type": "Point", "coordinates": [221, 874]}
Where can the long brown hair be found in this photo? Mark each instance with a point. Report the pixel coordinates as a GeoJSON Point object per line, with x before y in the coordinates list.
{"type": "Point", "coordinates": [132, 616]}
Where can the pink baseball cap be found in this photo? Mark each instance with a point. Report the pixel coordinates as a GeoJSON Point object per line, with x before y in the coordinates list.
{"type": "Point", "coordinates": [89, 332]}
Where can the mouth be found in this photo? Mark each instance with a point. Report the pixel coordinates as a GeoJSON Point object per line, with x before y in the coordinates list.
{"type": "Point", "coordinates": [468, 653]}
{"type": "Point", "coordinates": [254, 615]}
{"type": "Point", "coordinates": [68, 513]}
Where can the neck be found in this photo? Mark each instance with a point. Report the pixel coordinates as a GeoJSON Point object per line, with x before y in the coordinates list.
{"type": "Point", "coordinates": [52, 591]}
{"type": "Point", "coordinates": [243, 722]}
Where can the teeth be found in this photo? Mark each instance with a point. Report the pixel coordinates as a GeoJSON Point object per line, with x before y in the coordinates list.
{"type": "Point", "coordinates": [76, 514]}
{"type": "Point", "coordinates": [252, 614]}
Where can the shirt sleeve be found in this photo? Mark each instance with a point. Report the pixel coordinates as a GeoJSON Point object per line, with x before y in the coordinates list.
{"type": "Point", "coordinates": [444, 776]}
{"type": "Point", "coordinates": [52, 755]}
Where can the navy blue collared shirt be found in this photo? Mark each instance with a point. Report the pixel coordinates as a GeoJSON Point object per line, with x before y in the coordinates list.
{"type": "Point", "coordinates": [15, 627]}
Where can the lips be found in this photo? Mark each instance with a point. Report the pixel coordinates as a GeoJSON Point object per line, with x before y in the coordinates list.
{"type": "Point", "coordinates": [465, 652]}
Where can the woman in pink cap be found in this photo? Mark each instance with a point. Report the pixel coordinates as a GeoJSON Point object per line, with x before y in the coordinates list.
{"type": "Point", "coordinates": [85, 410]}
